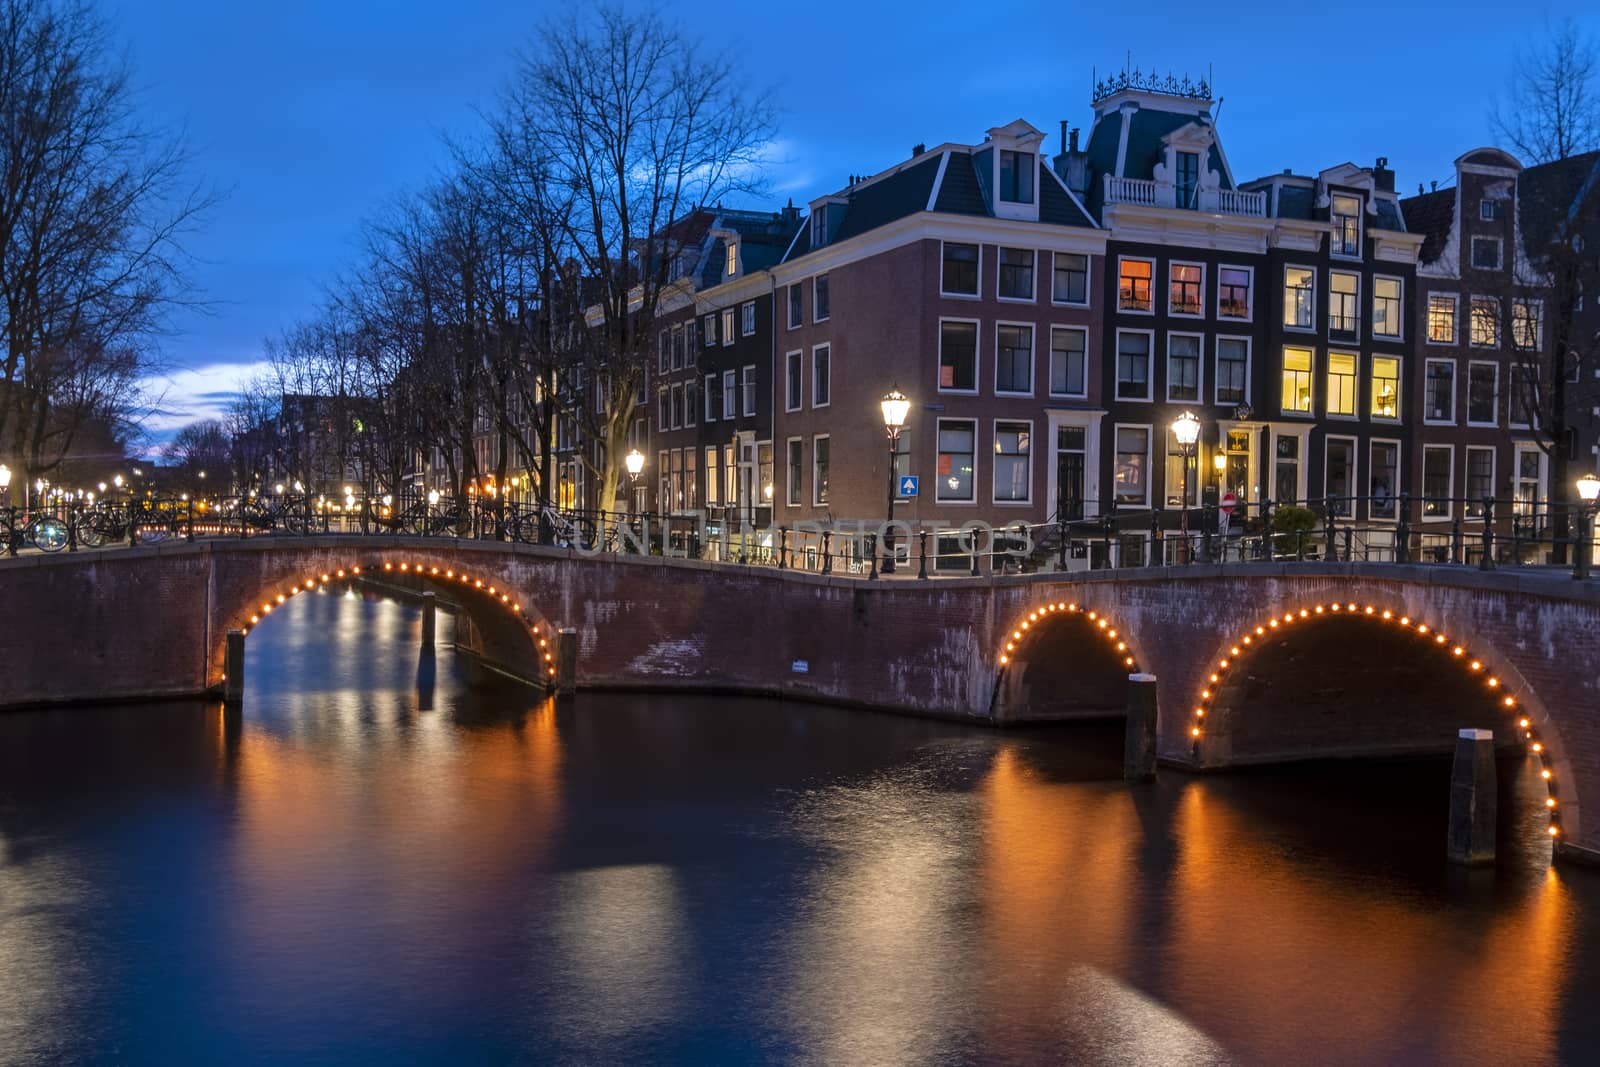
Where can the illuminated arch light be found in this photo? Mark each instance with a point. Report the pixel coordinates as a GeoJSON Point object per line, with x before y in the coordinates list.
{"type": "Point", "coordinates": [1102, 624]}
{"type": "Point", "coordinates": [1439, 641]}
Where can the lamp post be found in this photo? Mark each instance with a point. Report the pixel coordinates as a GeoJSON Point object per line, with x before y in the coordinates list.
{"type": "Point", "coordinates": [1589, 493]}
{"type": "Point", "coordinates": [1186, 428]}
{"type": "Point", "coordinates": [5, 486]}
{"type": "Point", "coordinates": [895, 408]}
{"type": "Point", "coordinates": [634, 463]}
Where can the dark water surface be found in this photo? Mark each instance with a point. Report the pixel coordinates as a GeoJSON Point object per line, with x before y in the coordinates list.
{"type": "Point", "coordinates": [356, 871]}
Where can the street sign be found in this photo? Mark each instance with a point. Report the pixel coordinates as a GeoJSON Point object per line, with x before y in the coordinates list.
{"type": "Point", "coordinates": [1228, 502]}
{"type": "Point", "coordinates": [908, 485]}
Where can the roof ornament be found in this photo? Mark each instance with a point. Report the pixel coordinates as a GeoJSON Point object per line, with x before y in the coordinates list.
{"type": "Point", "coordinates": [1152, 82]}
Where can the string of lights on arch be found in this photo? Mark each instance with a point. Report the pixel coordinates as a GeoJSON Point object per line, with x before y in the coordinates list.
{"type": "Point", "coordinates": [538, 629]}
{"type": "Point", "coordinates": [1434, 639]}
{"type": "Point", "coordinates": [1102, 624]}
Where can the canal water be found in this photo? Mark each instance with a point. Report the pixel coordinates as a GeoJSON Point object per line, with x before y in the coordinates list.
{"type": "Point", "coordinates": [374, 863]}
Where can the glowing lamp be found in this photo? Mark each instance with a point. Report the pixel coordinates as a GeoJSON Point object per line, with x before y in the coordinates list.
{"type": "Point", "coordinates": [1186, 428]}
{"type": "Point", "coordinates": [634, 461]}
{"type": "Point", "coordinates": [1589, 488]}
{"type": "Point", "coordinates": [896, 406]}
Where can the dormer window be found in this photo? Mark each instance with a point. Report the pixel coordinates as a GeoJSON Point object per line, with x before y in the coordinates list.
{"type": "Point", "coordinates": [1346, 218]}
{"type": "Point", "coordinates": [1188, 178]}
{"type": "Point", "coordinates": [732, 267]}
{"type": "Point", "coordinates": [1016, 176]}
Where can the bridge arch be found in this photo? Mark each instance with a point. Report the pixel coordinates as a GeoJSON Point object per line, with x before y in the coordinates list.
{"type": "Point", "coordinates": [508, 630]}
{"type": "Point", "coordinates": [1026, 672]}
{"type": "Point", "coordinates": [1488, 685]}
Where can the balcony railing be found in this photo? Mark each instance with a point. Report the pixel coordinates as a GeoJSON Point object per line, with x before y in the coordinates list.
{"type": "Point", "coordinates": [1130, 191]}
{"type": "Point", "coordinates": [1239, 202]}
{"type": "Point", "coordinates": [1147, 193]}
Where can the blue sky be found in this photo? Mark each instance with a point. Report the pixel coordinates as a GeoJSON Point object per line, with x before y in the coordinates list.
{"type": "Point", "coordinates": [312, 113]}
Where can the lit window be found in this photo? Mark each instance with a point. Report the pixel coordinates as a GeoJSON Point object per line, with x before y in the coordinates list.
{"type": "Point", "coordinates": [1527, 324]}
{"type": "Point", "coordinates": [1345, 214]}
{"type": "Point", "coordinates": [1184, 288]}
{"type": "Point", "coordinates": [1442, 318]}
{"type": "Point", "coordinates": [1233, 293]}
{"type": "Point", "coordinates": [1344, 292]}
{"type": "Point", "coordinates": [1486, 321]}
{"type": "Point", "coordinates": [1385, 387]}
{"type": "Point", "coordinates": [1173, 483]}
{"type": "Point", "coordinates": [727, 326]}
{"type": "Point", "coordinates": [1299, 296]}
{"type": "Point", "coordinates": [1386, 307]}
{"type": "Point", "coordinates": [1297, 380]}
{"type": "Point", "coordinates": [732, 266]}
{"type": "Point", "coordinates": [1012, 461]}
{"type": "Point", "coordinates": [1133, 284]}
{"type": "Point", "coordinates": [1341, 383]}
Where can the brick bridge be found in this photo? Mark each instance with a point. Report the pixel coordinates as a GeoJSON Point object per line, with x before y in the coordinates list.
{"type": "Point", "coordinates": [1256, 663]}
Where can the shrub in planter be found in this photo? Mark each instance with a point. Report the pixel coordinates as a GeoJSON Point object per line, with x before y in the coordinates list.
{"type": "Point", "coordinates": [1292, 524]}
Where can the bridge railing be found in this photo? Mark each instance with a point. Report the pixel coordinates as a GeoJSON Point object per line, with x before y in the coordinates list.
{"type": "Point", "coordinates": [1483, 532]}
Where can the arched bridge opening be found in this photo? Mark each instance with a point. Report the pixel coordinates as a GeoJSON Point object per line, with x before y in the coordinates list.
{"type": "Point", "coordinates": [1063, 661]}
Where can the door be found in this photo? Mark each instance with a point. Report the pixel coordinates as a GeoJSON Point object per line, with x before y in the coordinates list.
{"type": "Point", "coordinates": [1070, 466]}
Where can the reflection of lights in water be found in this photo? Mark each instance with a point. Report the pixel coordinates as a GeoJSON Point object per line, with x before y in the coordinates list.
{"type": "Point", "coordinates": [1107, 1021]}
{"type": "Point", "coordinates": [45, 957]}
{"type": "Point", "coordinates": [621, 955]}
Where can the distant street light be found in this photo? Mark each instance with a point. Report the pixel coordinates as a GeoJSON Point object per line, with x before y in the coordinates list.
{"type": "Point", "coordinates": [1589, 493]}
{"type": "Point", "coordinates": [895, 407]}
{"type": "Point", "coordinates": [1186, 428]}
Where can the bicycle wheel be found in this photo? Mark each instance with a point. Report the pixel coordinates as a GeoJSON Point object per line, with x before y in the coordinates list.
{"type": "Point", "coordinates": [49, 535]}
{"type": "Point", "coordinates": [90, 534]}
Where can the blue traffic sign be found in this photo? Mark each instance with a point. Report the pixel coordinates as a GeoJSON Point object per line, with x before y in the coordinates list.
{"type": "Point", "coordinates": [908, 485]}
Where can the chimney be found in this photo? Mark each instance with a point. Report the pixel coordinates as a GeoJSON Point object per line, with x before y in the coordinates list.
{"type": "Point", "coordinates": [917, 149]}
{"type": "Point", "coordinates": [1382, 176]}
{"type": "Point", "coordinates": [1072, 140]}
{"type": "Point", "coordinates": [1433, 186]}
{"type": "Point", "coordinates": [1072, 165]}
{"type": "Point", "coordinates": [790, 214]}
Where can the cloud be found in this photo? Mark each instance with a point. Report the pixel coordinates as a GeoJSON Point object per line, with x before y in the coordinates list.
{"type": "Point", "coordinates": [194, 394]}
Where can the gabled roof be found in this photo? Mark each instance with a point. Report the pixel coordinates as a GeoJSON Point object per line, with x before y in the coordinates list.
{"type": "Point", "coordinates": [1432, 215]}
{"type": "Point", "coordinates": [878, 202]}
{"type": "Point", "coordinates": [1553, 192]}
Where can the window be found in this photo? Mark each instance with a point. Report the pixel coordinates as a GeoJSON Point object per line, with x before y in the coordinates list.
{"type": "Point", "coordinates": [1299, 297]}
{"type": "Point", "coordinates": [1486, 253]}
{"type": "Point", "coordinates": [1130, 475]}
{"type": "Point", "coordinates": [1345, 214]}
{"type": "Point", "coordinates": [727, 326]}
{"type": "Point", "coordinates": [713, 496]}
{"type": "Point", "coordinates": [819, 469]}
{"type": "Point", "coordinates": [1522, 394]}
{"type": "Point", "coordinates": [1183, 367]}
{"type": "Point", "coordinates": [1133, 284]}
{"type": "Point", "coordinates": [1342, 384]}
{"type": "Point", "coordinates": [730, 475]}
{"type": "Point", "coordinates": [1483, 386]}
{"type": "Point", "coordinates": [1173, 487]}
{"type": "Point", "coordinates": [691, 332]}
{"type": "Point", "coordinates": [1386, 387]}
{"type": "Point", "coordinates": [821, 376]}
{"type": "Point", "coordinates": [691, 484]}
{"type": "Point", "coordinates": [1133, 364]}
{"type": "Point", "coordinates": [1286, 469]}
{"type": "Point", "coordinates": [1339, 476]}
{"type": "Point", "coordinates": [796, 316]}
{"type": "Point", "coordinates": [1527, 324]}
{"type": "Point", "coordinates": [797, 466]}
{"type": "Point", "coordinates": [1071, 278]}
{"type": "Point", "coordinates": [747, 318]}
{"type": "Point", "coordinates": [1486, 322]}
{"type": "Point", "coordinates": [960, 271]}
{"type": "Point", "coordinates": [677, 348]}
{"type": "Point", "coordinates": [1016, 176]}
{"type": "Point", "coordinates": [1386, 307]}
{"type": "Point", "coordinates": [748, 381]}
{"type": "Point", "coordinates": [710, 330]}
{"type": "Point", "coordinates": [793, 371]}
{"type": "Point", "coordinates": [1488, 210]}
{"type": "Point", "coordinates": [957, 457]}
{"type": "Point", "coordinates": [1068, 362]}
{"type": "Point", "coordinates": [958, 357]}
{"type": "Point", "coordinates": [1480, 478]}
{"type": "Point", "coordinates": [1013, 359]}
{"type": "Point", "coordinates": [1527, 488]}
{"type": "Point", "coordinates": [691, 401]}
{"type": "Point", "coordinates": [1297, 381]}
{"type": "Point", "coordinates": [1185, 283]}
{"type": "Point", "coordinates": [1233, 292]}
{"type": "Point", "coordinates": [677, 406]}
{"type": "Point", "coordinates": [1439, 391]}
{"type": "Point", "coordinates": [1188, 178]}
{"type": "Point", "coordinates": [730, 395]}
{"type": "Point", "coordinates": [819, 298]}
{"type": "Point", "coordinates": [1344, 294]}
{"type": "Point", "coordinates": [1438, 463]}
{"type": "Point", "coordinates": [1013, 462]}
{"type": "Point", "coordinates": [1233, 370]}
{"type": "Point", "coordinates": [711, 398]}
{"type": "Point", "coordinates": [1071, 454]}
{"type": "Point", "coordinates": [664, 409]}
{"type": "Point", "coordinates": [1441, 318]}
{"type": "Point", "coordinates": [664, 352]}
{"type": "Point", "coordinates": [1383, 476]}
{"type": "Point", "coordinates": [1016, 274]}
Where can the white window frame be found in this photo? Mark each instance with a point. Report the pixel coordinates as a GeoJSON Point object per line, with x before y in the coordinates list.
{"type": "Point", "coordinates": [1249, 298]}
{"type": "Point", "coordinates": [727, 327]}
{"type": "Point", "coordinates": [1088, 280]}
{"type": "Point", "coordinates": [730, 391]}
{"type": "Point", "coordinates": [747, 319]}
{"type": "Point", "coordinates": [1538, 323]}
{"type": "Point", "coordinates": [1356, 300]}
{"type": "Point", "coordinates": [1327, 394]}
{"type": "Point", "coordinates": [791, 402]}
{"type": "Point", "coordinates": [1399, 311]}
{"type": "Point", "coordinates": [1033, 357]}
{"type": "Point", "coordinates": [1542, 493]}
{"type": "Point", "coordinates": [814, 316]}
{"type": "Point", "coordinates": [677, 405]}
{"type": "Point", "coordinates": [1399, 478]}
{"type": "Point", "coordinates": [1149, 371]}
{"type": "Point", "coordinates": [1199, 363]}
{"type": "Point", "coordinates": [1171, 314]}
{"type": "Point", "coordinates": [1455, 391]}
{"type": "Point", "coordinates": [961, 296]}
{"type": "Point", "coordinates": [1499, 324]}
{"type": "Point", "coordinates": [747, 385]}
{"type": "Point", "coordinates": [1361, 226]}
{"type": "Point", "coordinates": [1347, 507]}
{"type": "Point", "coordinates": [1083, 332]}
{"type": "Point", "coordinates": [1033, 275]}
{"type": "Point", "coordinates": [1450, 488]}
{"type": "Point", "coordinates": [1499, 252]}
{"type": "Point", "coordinates": [793, 495]}
{"type": "Point", "coordinates": [816, 485]}
{"type": "Point", "coordinates": [1116, 300]}
{"type": "Point", "coordinates": [1283, 285]}
{"type": "Point", "coordinates": [710, 340]}
{"type": "Point", "coordinates": [828, 402]}
{"type": "Point", "coordinates": [994, 434]}
{"type": "Point", "coordinates": [1149, 449]}
{"type": "Point", "coordinates": [731, 267]}
{"type": "Point", "coordinates": [1399, 389]}
{"type": "Point", "coordinates": [1311, 376]}
{"type": "Point", "coordinates": [938, 485]}
{"type": "Point", "coordinates": [711, 391]}
{"type": "Point", "coordinates": [1249, 367]}
{"type": "Point", "coordinates": [1466, 472]}
{"type": "Point", "coordinates": [1511, 393]}
{"type": "Point", "coordinates": [1494, 366]}
{"type": "Point", "coordinates": [977, 357]}
{"type": "Point", "coordinates": [791, 306]}
{"type": "Point", "coordinates": [1455, 320]}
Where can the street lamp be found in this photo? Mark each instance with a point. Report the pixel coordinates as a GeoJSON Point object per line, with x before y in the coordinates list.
{"type": "Point", "coordinates": [5, 486]}
{"type": "Point", "coordinates": [1589, 493]}
{"type": "Point", "coordinates": [1186, 428]}
{"type": "Point", "coordinates": [634, 461]}
{"type": "Point", "coordinates": [895, 409]}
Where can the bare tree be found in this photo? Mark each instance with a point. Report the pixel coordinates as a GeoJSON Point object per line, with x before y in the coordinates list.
{"type": "Point", "coordinates": [1551, 109]}
{"type": "Point", "coordinates": [201, 451]}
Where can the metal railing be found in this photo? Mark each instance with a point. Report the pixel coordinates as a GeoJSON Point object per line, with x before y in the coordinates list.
{"type": "Point", "coordinates": [1486, 533]}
